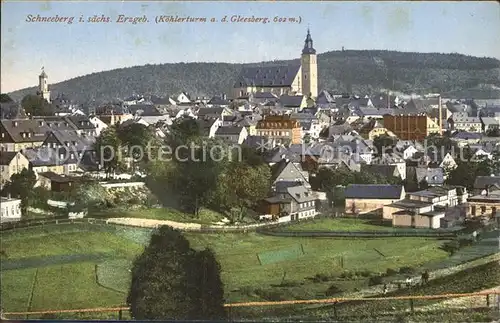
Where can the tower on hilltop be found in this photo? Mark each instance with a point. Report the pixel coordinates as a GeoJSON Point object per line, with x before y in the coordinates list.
{"type": "Point", "coordinates": [309, 68]}
{"type": "Point", "coordinates": [43, 87]}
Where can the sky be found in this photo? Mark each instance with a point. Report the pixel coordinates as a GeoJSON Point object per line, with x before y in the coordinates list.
{"type": "Point", "coordinates": [70, 50]}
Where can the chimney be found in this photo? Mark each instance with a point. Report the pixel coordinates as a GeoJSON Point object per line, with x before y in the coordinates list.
{"type": "Point", "coordinates": [440, 116]}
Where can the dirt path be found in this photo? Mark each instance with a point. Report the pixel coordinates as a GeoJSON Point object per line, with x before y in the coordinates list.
{"type": "Point", "coordinates": [465, 302]}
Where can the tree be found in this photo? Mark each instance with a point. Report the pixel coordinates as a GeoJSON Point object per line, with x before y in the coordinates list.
{"type": "Point", "coordinates": [87, 195]}
{"type": "Point", "coordinates": [170, 281]}
{"type": "Point", "coordinates": [108, 148]}
{"type": "Point", "coordinates": [196, 172]}
{"type": "Point", "coordinates": [140, 141]}
{"type": "Point", "coordinates": [5, 98]}
{"type": "Point", "coordinates": [384, 144]}
{"type": "Point", "coordinates": [466, 172]}
{"type": "Point", "coordinates": [184, 130]}
{"type": "Point", "coordinates": [21, 186]}
{"type": "Point", "coordinates": [232, 196]}
{"type": "Point", "coordinates": [35, 105]}
{"type": "Point", "coordinates": [207, 289]}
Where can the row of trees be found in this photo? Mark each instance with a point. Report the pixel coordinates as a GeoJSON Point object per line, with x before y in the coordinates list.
{"type": "Point", "coordinates": [210, 173]}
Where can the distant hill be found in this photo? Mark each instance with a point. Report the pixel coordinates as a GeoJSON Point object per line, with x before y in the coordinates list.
{"type": "Point", "coordinates": [354, 71]}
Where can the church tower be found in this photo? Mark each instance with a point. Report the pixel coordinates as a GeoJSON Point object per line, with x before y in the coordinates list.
{"type": "Point", "coordinates": [43, 87]}
{"type": "Point", "coordinates": [309, 68]}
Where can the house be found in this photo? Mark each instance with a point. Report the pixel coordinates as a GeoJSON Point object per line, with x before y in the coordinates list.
{"type": "Point", "coordinates": [218, 112]}
{"type": "Point", "coordinates": [54, 182]}
{"type": "Point", "coordinates": [286, 174]}
{"type": "Point", "coordinates": [422, 209]}
{"type": "Point", "coordinates": [294, 203]}
{"type": "Point", "coordinates": [464, 138]}
{"type": "Point", "coordinates": [374, 128]}
{"type": "Point", "coordinates": [411, 127]}
{"type": "Point", "coordinates": [371, 198]}
{"type": "Point", "coordinates": [19, 134]}
{"type": "Point", "coordinates": [11, 163]}
{"type": "Point", "coordinates": [490, 123]}
{"type": "Point", "coordinates": [435, 158]}
{"type": "Point", "coordinates": [183, 98]}
{"type": "Point", "coordinates": [293, 102]}
{"type": "Point", "coordinates": [260, 143]}
{"type": "Point", "coordinates": [218, 101]}
{"type": "Point", "coordinates": [463, 122]}
{"type": "Point", "coordinates": [311, 126]}
{"type": "Point", "coordinates": [392, 159]}
{"type": "Point", "coordinates": [58, 160]}
{"type": "Point", "coordinates": [282, 128]}
{"type": "Point", "coordinates": [278, 153]}
{"type": "Point", "coordinates": [82, 125]}
{"type": "Point", "coordinates": [99, 125]}
{"type": "Point", "coordinates": [483, 182]}
{"type": "Point", "coordinates": [209, 126]}
{"type": "Point", "coordinates": [485, 204]}
{"type": "Point", "coordinates": [407, 148]}
{"type": "Point", "coordinates": [11, 209]}
{"type": "Point", "coordinates": [388, 171]}
{"type": "Point", "coordinates": [235, 135]}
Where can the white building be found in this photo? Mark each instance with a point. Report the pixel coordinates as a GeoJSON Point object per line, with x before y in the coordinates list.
{"type": "Point", "coordinates": [11, 209]}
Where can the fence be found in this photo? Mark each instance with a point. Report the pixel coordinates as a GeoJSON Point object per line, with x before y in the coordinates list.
{"type": "Point", "coordinates": [335, 306]}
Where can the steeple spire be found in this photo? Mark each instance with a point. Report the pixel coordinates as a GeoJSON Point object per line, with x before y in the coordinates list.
{"type": "Point", "coordinates": [308, 44]}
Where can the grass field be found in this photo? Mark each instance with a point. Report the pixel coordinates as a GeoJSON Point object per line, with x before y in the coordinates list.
{"type": "Point", "coordinates": [104, 282]}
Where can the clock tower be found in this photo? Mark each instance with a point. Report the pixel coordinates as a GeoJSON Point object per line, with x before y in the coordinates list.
{"type": "Point", "coordinates": [309, 68]}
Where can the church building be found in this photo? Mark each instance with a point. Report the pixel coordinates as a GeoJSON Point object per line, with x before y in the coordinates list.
{"type": "Point", "coordinates": [292, 80]}
{"type": "Point", "coordinates": [43, 87]}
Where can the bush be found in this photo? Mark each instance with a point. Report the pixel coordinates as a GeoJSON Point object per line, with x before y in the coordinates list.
{"type": "Point", "coordinates": [270, 295]}
{"type": "Point", "coordinates": [348, 275]}
{"type": "Point", "coordinates": [406, 270]}
{"type": "Point", "coordinates": [320, 278]}
{"type": "Point", "coordinates": [332, 290]}
{"type": "Point", "coordinates": [364, 273]}
{"type": "Point", "coordinates": [451, 247]}
{"type": "Point", "coordinates": [375, 280]}
{"type": "Point", "coordinates": [390, 272]}
{"type": "Point", "coordinates": [289, 283]}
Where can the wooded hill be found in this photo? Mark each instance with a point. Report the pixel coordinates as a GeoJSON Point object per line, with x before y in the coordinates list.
{"type": "Point", "coordinates": [354, 71]}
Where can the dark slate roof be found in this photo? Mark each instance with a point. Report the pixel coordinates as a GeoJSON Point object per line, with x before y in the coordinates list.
{"type": "Point", "coordinates": [373, 191]}
{"type": "Point", "coordinates": [55, 177]}
{"type": "Point", "coordinates": [291, 100]}
{"type": "Point", "coordinates": [16, 127]}
{"type": "Point", "coordinates": [269, 76]}
{"type": "Point", "coordinates": [265, 95]}
{"type": "Point", "coordinates": [145, 110]}
{"type": "Point", "coordinates": [210, 111]}
{"type": "Point", "coordinates": [324, 97]}
{"type": "Point", "coordinates": [300, 194]}
{"type": "Point", "coordinates": [161, 101]}
{"type": "Point", "coordinates": [6, 157]}
{"type": "Point", "coordinates": [217, 100]}
{"type": "Point", "coordinates": [483, 181]}
{"type": "Point", "coordinates": [384, 170]}
{"type": "Point", "coordinates": [229, 130]}
{"type": "Point", "coordinates": [433, 176]}
{"type": "Point", "coordinates": [80, 122]}
{"type": "Point", "coordinates": [467, 135]}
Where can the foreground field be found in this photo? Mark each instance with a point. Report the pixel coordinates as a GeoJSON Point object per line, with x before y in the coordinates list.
{"type": "Point", "coordinates": [47, 274]}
